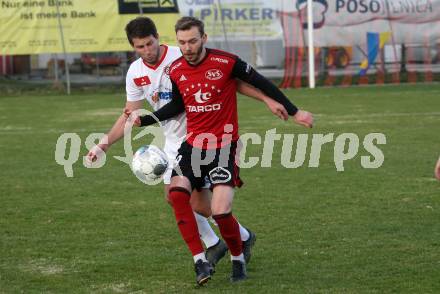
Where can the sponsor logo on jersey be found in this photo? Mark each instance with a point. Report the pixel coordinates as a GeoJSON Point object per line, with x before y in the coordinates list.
{"type": "Point", "coordinates": [142, 81]}
{"type": "Point", "coordinates": [221, 60]}
{"type": "Point", "coordinates": [165, 95]}
{"type": "Point", "coordinates": [161, 96]}
{"type": "Point", "coordinates": [182, 78]}
{"type": "Point", "coordinates": [201, 97]}
{"type": "Point", "coordinates": [214, 74]}
{"type": "Point", "coordinates": [204, 108]}
{"type": "Point", "coordinates": [219, 175]}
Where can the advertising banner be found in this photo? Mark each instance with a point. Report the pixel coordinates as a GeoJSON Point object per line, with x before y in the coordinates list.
{"type": "Point", "coordinates": [33, 26]}
{"type": "Point", "coordinates": [347, 22]}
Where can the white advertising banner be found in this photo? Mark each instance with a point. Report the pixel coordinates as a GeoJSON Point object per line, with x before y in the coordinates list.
{"type": "Point", "coordinates": [347, 22]}
{"type": "Point", "coordinates": [336, 22]}
{"type": "Point", "coordinates": [32, 27]}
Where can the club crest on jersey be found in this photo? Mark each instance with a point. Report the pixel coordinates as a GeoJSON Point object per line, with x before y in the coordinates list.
{"type": "Point", "coordinates": [167, 70]}
{"type": "Point", "coordinates": [214, 74]}
{"type": "Point", "coordinates": [155, 97]}
{"type": "Point", "coordinates": [219, 175]}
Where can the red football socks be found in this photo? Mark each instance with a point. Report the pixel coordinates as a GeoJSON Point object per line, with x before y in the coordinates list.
{"type": "Point", "coordinates": [230, 231]}
{"type": "Point", "coordinates": [185, 219]}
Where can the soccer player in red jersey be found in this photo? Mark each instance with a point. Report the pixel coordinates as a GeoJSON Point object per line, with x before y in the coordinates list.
{"type": "Point", "coordinates": [204, 86]}
{"type": "Point", "coordinates": [147, 81]}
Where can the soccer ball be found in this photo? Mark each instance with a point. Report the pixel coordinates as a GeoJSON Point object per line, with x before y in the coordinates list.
{"type": "Point", "coordinates": [149, 164]}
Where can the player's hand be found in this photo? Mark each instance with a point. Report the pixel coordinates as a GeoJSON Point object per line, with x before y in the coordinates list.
{"type": "Point", "coordinates": [132, 117]}
{"type": "Point", "coordinates": [303, 118]}
{"type": "Point", "coordinates": [96, 152]}
{"type": "Point", "coordinates": [437, 170]}
{"type": "Point", "coordinates": [277, 108]}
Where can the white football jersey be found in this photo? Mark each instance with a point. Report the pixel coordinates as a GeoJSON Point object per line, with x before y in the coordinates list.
{"type": "Point", "coordinates": [154, 85]}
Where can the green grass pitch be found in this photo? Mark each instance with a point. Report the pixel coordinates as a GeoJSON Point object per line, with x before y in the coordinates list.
{"type": "Point", "coordinates": [319, 230]}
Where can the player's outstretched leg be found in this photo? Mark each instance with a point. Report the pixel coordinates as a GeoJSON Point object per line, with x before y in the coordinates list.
{"type": "Point", "coordinates": [207, 234]}
{"type": "Point", "coordinates": [179, 197]}
{"type": "Point", "coordinates": [229, 229]}
{"type": "Point", "coordinates": [215, 248]}
{"type": "Point", "coordinates": [215, 253]}
{"type": "Point", "coordinates": [201, 204]}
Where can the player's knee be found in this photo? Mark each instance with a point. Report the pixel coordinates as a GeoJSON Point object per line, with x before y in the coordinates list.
{"type": "Point", "coordinates": [201, 207]}
{"type": "Point", "coordinates": [220, 209]}
{"type": "Point", "coordinates": [206, 212]}
{"type": "Point", "coordinates": [201, 202]}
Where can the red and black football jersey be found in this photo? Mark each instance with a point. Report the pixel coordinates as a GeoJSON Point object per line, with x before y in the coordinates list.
{"type": "Point", "coordinates": [208, 91]}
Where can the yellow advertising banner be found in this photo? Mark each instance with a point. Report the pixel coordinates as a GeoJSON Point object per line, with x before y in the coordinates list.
{"type": "Point", "coordinates": [33, 26]}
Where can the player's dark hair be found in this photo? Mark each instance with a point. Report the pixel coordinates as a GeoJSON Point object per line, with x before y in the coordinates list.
{"type": "Point", "coordinates": [140, 27]}
{"type": "Point", "coordinates": [187, 22]}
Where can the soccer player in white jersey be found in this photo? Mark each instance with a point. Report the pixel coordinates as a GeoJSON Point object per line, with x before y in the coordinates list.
{"type": "Point", "coordinates": [147, 79]}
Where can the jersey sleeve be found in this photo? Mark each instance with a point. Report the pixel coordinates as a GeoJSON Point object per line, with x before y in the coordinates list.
{"type": "Point", "coordinates": [246, 73]}
{"type": "Point", "coordinates": [134, 93]}
{"type": "Point", "coordinates": [169, 110]}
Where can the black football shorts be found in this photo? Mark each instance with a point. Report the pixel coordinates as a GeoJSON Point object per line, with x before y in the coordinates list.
{"type": "Point", "coordinates": [217, 165]}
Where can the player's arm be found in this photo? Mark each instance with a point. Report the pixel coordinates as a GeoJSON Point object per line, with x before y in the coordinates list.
{"type": "Point", "coordinates": [115, 133]}
{"type": "Point", "coordinates": [250, 91]}
{"type": "Point", "coordinates": [246, 73]}
{"type": "Point", "coordinates": [437, 169]}
{"type": "Point", "coordinates": [169, 110]}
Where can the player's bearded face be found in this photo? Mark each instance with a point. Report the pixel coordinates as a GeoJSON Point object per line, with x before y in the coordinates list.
{"type": "Point", "coordinates": [191, 43]}
{"type": "Point", "coordinates": [147, 48]}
